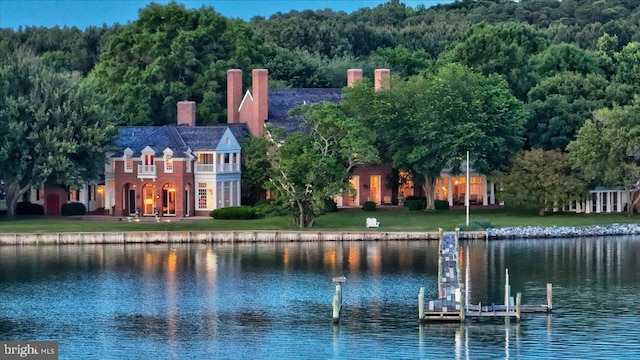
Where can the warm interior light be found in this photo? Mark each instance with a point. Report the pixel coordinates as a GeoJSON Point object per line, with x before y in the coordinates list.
{"type": "Point", "coordinates": [148, 201]}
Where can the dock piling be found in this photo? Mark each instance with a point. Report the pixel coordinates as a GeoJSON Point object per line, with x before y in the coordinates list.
{"type": "Point", "coordinates": [337, 298]}
{"type": "Point", "coordinates": [421, 304]}
{"type": "Point", "coordinates": [549, 297]}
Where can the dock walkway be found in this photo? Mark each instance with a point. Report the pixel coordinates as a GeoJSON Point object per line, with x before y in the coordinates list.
{"type": "Point", "coordinates": [451, 302]}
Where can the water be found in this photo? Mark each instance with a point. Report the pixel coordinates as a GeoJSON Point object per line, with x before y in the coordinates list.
{"type": "Point", "coordinates": [273, 301]}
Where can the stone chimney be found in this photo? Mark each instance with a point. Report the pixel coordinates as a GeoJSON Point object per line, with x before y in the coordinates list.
{"type": "Point", "coordinates": [353, 75]}
{"type": "Point", "coordinates": [234, 95]}
{"type": "Point", "coordinates": [381, 79]}
{"type": "Point", "coordinates": [260, 93]}
{"type": "Point", "coordinates": [187, 113]}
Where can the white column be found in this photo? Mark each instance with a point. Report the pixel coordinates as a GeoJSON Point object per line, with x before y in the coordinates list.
{"type": "Point", "coordinates": [485, 201]}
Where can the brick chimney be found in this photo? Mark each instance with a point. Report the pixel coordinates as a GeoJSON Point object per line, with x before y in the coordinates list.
{"type": "Point", "coordinates": [353, 75]}
{"type": "Point", "coordinates": [187, 113]}
{"type": "Point", "coordinates": [234, 95]}
{"type": "Point", "coordinates": [381, 79]}
{"type": "Point", "coordinates": [260, 93]}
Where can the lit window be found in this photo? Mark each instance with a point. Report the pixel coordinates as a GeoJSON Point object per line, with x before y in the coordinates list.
{"type": "Point", "coordinates": [168, 163]}
{"type": "Point", "coordinates": [128, 163]}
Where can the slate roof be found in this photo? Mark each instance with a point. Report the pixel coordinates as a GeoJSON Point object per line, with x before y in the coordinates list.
{"type": "Point", "coordinates": [178, 138]}
{"type": "Point", "coordinates": [282, 100]}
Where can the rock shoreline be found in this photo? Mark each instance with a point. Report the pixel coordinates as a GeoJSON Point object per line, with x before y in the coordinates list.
{"type": "Point", "coordinates": [563, 231]}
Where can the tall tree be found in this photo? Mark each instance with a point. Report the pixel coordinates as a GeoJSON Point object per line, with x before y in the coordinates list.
{"type": "Point", "coordinates": [310, 168]}
{"type": "Point", "coordinates": [559, 106]}
{"type": "Point", "coordinates": [427, 124]}
{"type": "Point", "coordinates": [255, 166]}
{"type": "Point", "coordinates": [607, 150]}
{"type": "Point", "coordinates": [54, 127]}
{"type": "Point", "coordinates": [504, 49]}
{"type": "Point", "coordinates": [171, 54]}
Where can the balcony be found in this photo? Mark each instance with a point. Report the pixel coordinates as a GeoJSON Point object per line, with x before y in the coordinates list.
{"type": "Point", "coordinates": [205, 168]}
{"type": "Point", "coordinates": [147, 172]}
{"type": "Point", "coordinates": [219, 168]}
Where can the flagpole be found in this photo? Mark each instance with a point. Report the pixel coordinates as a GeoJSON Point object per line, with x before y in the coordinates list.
{"type": "Point", "coordinates": [466, 197]}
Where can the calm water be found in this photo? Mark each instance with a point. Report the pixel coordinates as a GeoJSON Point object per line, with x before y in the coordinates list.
{"type": "Point", "coordinates": [273, 301]}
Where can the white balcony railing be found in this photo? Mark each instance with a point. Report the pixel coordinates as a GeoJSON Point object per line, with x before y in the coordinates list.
{"type": "Point", "coordinates": [147, 171]}
{"type": "Point", "coordinates": [205, 168]}
{"type": "Point", "coordinates": [220, 168]}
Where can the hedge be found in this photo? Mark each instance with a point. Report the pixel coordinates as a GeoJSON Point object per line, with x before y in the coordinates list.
{"type": "Point", "coordinates": [441, 204]}
{"type": "Point", "coordinates": [27, 208]}
{"type": "Point", "coordinates": [369, 206]}
{"type": "Point", "coordinates": [415, 204]}
{"type": "Point", "coordinates": [73, 208]}
{"type": "Point", "coordinates": [234, 213]}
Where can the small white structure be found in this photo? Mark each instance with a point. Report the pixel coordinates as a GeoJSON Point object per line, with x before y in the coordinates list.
{"type": "Point", "coordinates": [372, 222]}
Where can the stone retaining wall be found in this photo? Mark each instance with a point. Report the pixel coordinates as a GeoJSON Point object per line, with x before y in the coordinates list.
{"type": "Point", "coordinates": [563, 231]}
{"type": "Point", "coordinates": [216, 236]}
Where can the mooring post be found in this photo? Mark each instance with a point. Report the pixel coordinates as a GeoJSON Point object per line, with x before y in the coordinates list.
{"type": "Point", "coordinates": [337, 298]}
{"type": "Point", "coordinates": [421, 304]}
{"type": "Point", "coordinates": [549, 297]}
{"type": "Point", "coordinates": [518, 303]}
{"type": "Point", "coordinates": [463, 301]}
{"type": "Point", "coordinates": [507, 290]}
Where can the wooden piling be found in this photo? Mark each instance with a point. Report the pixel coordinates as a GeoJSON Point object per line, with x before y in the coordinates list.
{"type": "Point", "coordinates": [421, 304]}
{"type": "Point", "coordinates": [549, 297]}
{"type": "Point", "coordinates": [507, 290]}
{"type": "Point", "coordinates": [337, 299]}
{"type": "Point", "coordinates": [518, 303]}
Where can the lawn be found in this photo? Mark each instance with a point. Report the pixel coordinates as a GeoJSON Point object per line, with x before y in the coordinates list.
{"type": "Point", "coordinates": [342, 220]}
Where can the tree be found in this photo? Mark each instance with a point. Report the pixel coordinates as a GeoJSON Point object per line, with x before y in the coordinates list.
{"type": "Point", "coordinates": [540, 180]}
{"type": "Point", "coordinates": [172, 54]}
{"type": "Point", "coordinates": [504, 49]}
{"type": "Point", "coordinates": [255, 166]}
{"type": "Point", "coordinates": [310, 168]}
{"type": "Point", "coordinates": [53, 125]}
{"type": "Point", "coordinates": [607, 150]}
{"type": "Point", "coordinates": [428, 123]}
{"type": "Point", "coordinates": [559, 106]}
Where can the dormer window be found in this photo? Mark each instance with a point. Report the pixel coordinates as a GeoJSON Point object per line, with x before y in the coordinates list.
{"type": "Point", "coordinates": [128, 160]}
{"type": "Point", "coordinates": [168, 161]}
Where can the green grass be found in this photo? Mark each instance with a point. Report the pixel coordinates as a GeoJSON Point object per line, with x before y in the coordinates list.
{"type": "Point", "coordinates": [342, 220]}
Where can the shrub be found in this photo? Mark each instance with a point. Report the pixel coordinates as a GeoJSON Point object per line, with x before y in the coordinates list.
{"type": "Point", "coordinates": [27, 208]}
{"type": "Point", "coordinates": [441, 204]}
{"type": "Point", "coordinates": [234, 213]}
{"type": "Point", "coordinates": [73, 208]}
{"type": "Point", "coordinates": [369, 206]}
{"type": "Point", "coordinates": [330, 205]}
{"type": "Point", "coordinates": [415, 204]}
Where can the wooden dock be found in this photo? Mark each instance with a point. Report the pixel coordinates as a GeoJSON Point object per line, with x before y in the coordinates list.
{"type": "Point", "coordinates": [452, 302]}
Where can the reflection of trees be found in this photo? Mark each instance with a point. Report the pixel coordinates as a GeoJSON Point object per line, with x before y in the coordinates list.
{"type": "Point", "coordinates": [532, 263]}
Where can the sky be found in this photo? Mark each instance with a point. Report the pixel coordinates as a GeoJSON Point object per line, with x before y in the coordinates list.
{"type": "Point", "coordinates": [84, 13]}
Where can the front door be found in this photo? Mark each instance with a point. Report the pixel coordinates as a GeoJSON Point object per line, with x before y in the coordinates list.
{"type": "Point", "coordinates": [149, 200]}
{"type": "Point", "coordinates": [169, 200]}
{"type": "Point", "coordinates": [132, 201]}
{"type": "Point", "coordinates": [374, 189]}
{"type": "Point", "coordinates": [53, 204]}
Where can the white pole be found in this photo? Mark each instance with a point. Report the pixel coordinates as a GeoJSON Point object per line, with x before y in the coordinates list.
{"type": "Point", "coordinates": [466, 197]}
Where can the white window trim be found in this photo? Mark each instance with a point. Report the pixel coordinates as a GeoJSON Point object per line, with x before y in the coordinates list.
{"type": "Point", "coordinates": [128, 155]}
{"type": "Point", "coordinates": [168, 155]}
